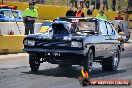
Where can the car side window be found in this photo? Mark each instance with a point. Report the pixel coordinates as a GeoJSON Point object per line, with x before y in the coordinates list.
{"type": "Point", "coordinates": [109, 28]}
{"type": "Point", "coordinates": [102, 28]}
{"type": "Point", "coordinates": [113, 29]}
{"type": "Point", "coordinates": [73, 28]}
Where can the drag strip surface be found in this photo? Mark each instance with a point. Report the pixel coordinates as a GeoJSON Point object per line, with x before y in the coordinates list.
{"type": "Point", "coordinates": [15, 73]}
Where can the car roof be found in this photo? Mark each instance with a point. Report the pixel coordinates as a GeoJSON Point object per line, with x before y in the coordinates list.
{"type": "Point", "coordinates": [9, 10]}
{"type": "Point", "coordinates": [63, 22]}
{"type": "Point", "coordinates": [89, 18]}
{"type": "Point", "coordinates": [4, 9]}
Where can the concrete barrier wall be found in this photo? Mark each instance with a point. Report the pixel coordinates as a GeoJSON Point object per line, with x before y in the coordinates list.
{"type": "Point", "coordinates": [11, 43]}
{"type": "Point", "coordinates": [13, 28]}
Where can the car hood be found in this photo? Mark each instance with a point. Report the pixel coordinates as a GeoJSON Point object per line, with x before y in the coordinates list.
{"type": "Point", "coordinates": [11, 20]}
{"type": "Point", "coordinates": [47, 36]}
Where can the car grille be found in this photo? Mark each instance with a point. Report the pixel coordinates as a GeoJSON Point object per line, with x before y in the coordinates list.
{"type": "Point", "coordinates": [53, 45]}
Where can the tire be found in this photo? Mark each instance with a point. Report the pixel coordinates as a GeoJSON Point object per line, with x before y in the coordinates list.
{"type": "Point", "coordinates": [111, 64]}
{"type": "Point", "coordinates": [89, 61]}
{"type": "Point", "coordinates": [34, 63]}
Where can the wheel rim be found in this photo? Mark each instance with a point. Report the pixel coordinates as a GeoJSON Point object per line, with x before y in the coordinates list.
{"type": "Point", "coordinates": [116, 60]}
{"type": "Point", "coordinates": [90, 61]}
{"type": "Point", "coordinates": [36, 63]}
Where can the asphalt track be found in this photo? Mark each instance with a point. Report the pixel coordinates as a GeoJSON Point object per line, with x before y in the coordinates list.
{"type": "Point", "coordinates": [15, 72]}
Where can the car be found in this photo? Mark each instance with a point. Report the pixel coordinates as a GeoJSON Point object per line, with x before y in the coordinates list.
{"type": "Point", "coordinates": [75, 41]}
{"type": "Point", "coordinates": [122, 28]}
{"type": "Point", "coordinates": [9, 15]}
{"type": "Point", "coordinates": [45, 25]}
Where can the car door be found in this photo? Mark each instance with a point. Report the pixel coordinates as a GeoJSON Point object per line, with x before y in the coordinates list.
{"type": "Point", "coordinates": [112, 39]}
{"type": "Point", "coordinates": [102, 45]}
{"type": "Point", "coordinates": [106, 42]}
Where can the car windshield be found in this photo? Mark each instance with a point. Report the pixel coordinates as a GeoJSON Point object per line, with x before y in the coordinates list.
{"type": "Point", "coordinates": [81, 25]}
{"type": "Point", "coordinates": [86, 26]}
{"type": "Point", "coordinates": [16, 14]}
{"type": "Point", "coordinates": [9, 14]}
{"type": "Point", "coordinates": [83, 28]}
{"type": "Point", "coordinates": [59, 28]}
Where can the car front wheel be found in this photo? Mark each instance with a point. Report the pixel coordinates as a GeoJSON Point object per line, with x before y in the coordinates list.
{"type": "Point", "coordinates": [34, 63]}
{"type": "Point", "coordinates": [88, 61]}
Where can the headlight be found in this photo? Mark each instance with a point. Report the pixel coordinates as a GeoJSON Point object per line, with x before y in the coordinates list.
{"type": "Point", "coordinates": [76, 44]}
{"type": "Point", "coordinates": [29, 42]}
{"type": "Point", "coordinates": [67, 38]}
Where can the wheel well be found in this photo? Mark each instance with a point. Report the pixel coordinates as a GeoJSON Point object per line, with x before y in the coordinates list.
{"type": "Point", "coordinates": [119, 47]}
{"type": "Point", "coordinates": [93, 49]}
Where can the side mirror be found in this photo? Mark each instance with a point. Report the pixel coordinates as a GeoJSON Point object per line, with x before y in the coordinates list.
{"type": "Point", "coordinates": [121, 39]}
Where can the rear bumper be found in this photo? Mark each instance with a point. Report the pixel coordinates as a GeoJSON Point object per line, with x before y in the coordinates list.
{"type": "Point", "coordinates": [39, 50]}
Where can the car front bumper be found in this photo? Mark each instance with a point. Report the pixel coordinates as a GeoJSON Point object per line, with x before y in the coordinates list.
{"type": "Point", "coordinates": [39, 50]}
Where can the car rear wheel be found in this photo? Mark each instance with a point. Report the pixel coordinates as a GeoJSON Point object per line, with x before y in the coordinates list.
{"type": "Point", "coordinates": [89, 61]}
{"type": "Point", "coordinates": [34, 63]}
{"type": "Point", "coordinates": [111, 64]}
